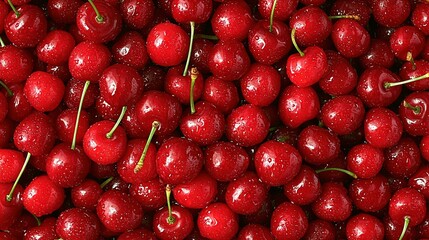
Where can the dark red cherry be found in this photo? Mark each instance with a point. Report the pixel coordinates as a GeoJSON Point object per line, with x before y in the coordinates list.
{"type": "Point", "coordinates": [358, 8]}
{"type": "Point", "coordinates": [364, 226]}
{"type": "Point", "coordinates": [217, 221]}
{"type": "Point", "coordinates": [27, 26]}
{"type": "Point", "coordinates": [73, 94]}
{"type": "Point", "coordinates": [247, 125]}
{"type": "Point", "coordinates": [413, 113]}
{"type": "Point", "coordinates": [130, 49]}
{"type": "Point", "coordinates": [16, 64]}
{"type": "Point", "coordinates": [394, 230]}
{"type": "Point", "coordinates": [185, 11]}
{"type": "Point", "coordinates": [130, 8]}
{"type": "Point", "coordinates": [419, 180]}
{"type": "Point", "coordinates": [4, 10]}
{"type": "Point", "coordinates": [304, 188]}
{"type": "Point", "coordinates": [55, 47]}
{"type": "Point", "coordinates": [200, 54]}
{"type": "Point", "coordinates": [139, 233]}
{"type": "Point", "coordinates": [222, 94]}
{"type": "Point", "coordinates": [390, 13]}
{"type": "Point", "coordinates": [419, 17]}
{"type": "Point", "coordinates": [415, 70]}
{"type": "Point", "coordinates": [19, 107]}
{"type": "Point", "coordinates": [333, 203]}
{"type": "Point", "coordinates": [378, 54]}
{"type": "Point", "coordinates": [382, 127]}
{"type": "Point", "coordinates": [86, 194]}
{"type": "Point", "coordinates": [370, 195]}
{"type": "Point", "coordinates": [288, 222]}
{"type": "Point", "coordinates": [320, 229]}
{"type": "Point", "coordinates": [78, 223]}
{"type": "Point", "coordinates": [151, 194]}
{"type": "Point", "coordinates": [63, 12]}
{"type": "Point", "coordinates": [46, 230]}
{"type": "Point", "coordinates": [66, 122]}
{"type": "Point", "coordinates": [255, 231]}
{"type": "Point", "coordinates": [403, 159]}
{"type": "Point", "coordinates": [176, 225]}
{"type": "Point", "coordinates": [102, 25]}
{"type": "Point", "coordinates": [44, 91]}
{"type": "Point", "coordinates": [282, 11]}
{"type": "Point", "coordinates": [42, 196]}
{"type": "Point", "coordinates": [348, 32]}
{"type": "Point", "coordinates": [407, 42]}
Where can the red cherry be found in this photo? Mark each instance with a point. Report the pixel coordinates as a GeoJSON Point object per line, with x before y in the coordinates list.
{"type": "Point", "coordinates": [42, 196]}
{"type": "Point", "coordinates": [197, 193]}
{"type": "Point", "coordinates": [370, 195]}
{"type": "Point", "coordinates": [217, 221]}
{"type": "Point", "coordinates": [11, 162]}
{"type": "Point", "coordinates": [10, 210]}
{"type": "Point", "coordinates": [378, 54]}
{"type": "Point", "coordinates": [407, 206]}
{"type": "Point", "coordinates": [178, 225]}
{"type": "Point", "coordinates": [407, 42]}
{"type": "Point", "coordinates": [130, 49]}
{"type": "Point", "coordinates": [55, 47]}
{"type": "Point", "coordinates": [390, 13]}
{"type": "Point", "coordinates": [403, 159]}
{"type": "Point", "coordinates": [150, 194]}
{"type": "Point", "coordinates": [348, 32]}
{"type": "Point", "coordinates": [382, 127]}
{"type": "Point", "coordinates": [200, 54]}
{"type": "Point", "coordinates": [78, 223]}
{"type": "Point", "coordinates": [419, 181]}
{"type": "Point", "coordinates": [16, 64]}
{"type": "Point", "coordinates": [320, 229]}
{"type": "Point", "coordinates": [139, 233]}
{"type": "Point", "coordinates": [185, 11]}
{"type": "Point", "coordinates": [44, 91]}
{"type": "Point", "coordinates": [304, 188]}
{"type": "Point", "coordinates": [63, 12]}
{"type": "Point", "coordinates": [66, 122]}
{"type": "Point", "coordinates": [255, 231]}
{"type": "Point", "coordinates": [73, 94]}
{"type": "Point", "coordinates": [413, 113]}
{"type": "Point", "coordinates": [364, 226]}
{"type": "Point", "coordinates": [288, 222]}
{"type": "Point", "coordinates": [178, 85]}
{"type": "Point", "coordinates": [333, 204]}
{"type": "Point", "coordinates": [4, 10]}
{"type": "Point", "coordinates": [365, 160]}
{"type": "Point", "coordinates": [222, 94]}
{"type": "Point", "coordinates": [419, 17]}
{"type": "Point", "coordinates": [129, 8]}
{"type": "Point", "coordinates": [86, 194]}
{"type": "Point", "coordinates": [415, 72]}
{"type": "Point", "coordinates": [358, 8]}
{"type": "Point", "coordinates": [282, 11]}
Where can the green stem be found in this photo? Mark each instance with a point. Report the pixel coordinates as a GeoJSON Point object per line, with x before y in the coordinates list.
{"type": "Point", "coordinates": [170, 218]}
{"type": "Point", "coordinates": [415, 109]}
{"type": "Point", "coordinates": [99, 18]}
{"type": "Point", "coordinates": [405, 227]}
{"type": "Point", "coordinates": [9, 197]}
{"type": "Point", "coordinates": [354, 17]}
{"type": "Point", "coordinates": [191, 42]}
{"type": "Point", "coordinates": [292, 35]}
{"type": "Point", "coordinates": [37, 220]}
{"type": "Point", "coordinates": [194, 76]}
{"type": "Point", "coordinates": [14, 9]}
{"type": "Point", "coordinates": [79, 110]}
{"type": "Point", "coordinates": [107, 181]}
{"type": "Point", "coordinates": [206, 36]}
{"type": "Point", "coordinates": [2, 43]}
{"type": "Point", "coordinates": [272, 15]}
{"type": "Point", "coordinates": [9, 92]}
{"type": "Point", "coordinates": [155, 125]}
{"type": "Point", "coordinates": [351, 174]}
{"type": "Point", "coordinates": [112, 131]}
{"type": "Point", "coordinates": [393, 84]}
{"type": "Point", "coordinates": [410, 59]}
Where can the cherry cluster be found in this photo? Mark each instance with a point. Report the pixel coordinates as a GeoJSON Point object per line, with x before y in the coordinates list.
{"type": "Point", "coordinates": [223, 119]}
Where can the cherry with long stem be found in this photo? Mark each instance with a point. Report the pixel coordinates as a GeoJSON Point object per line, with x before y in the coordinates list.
{"type": "Point", "coordinates": [9, 197]}
{"type": "Point", "coordinates": [121, 116]}
{"type": "Point", "coordinates": [191, 42]}
{"type": "Point", "coordinates": [99, 17]}
{"type": "Point", "coordinates": [292, 35]}
{"type": "Point", "coordinates": [351, 174]}
{"type": "Point", "coordinates": [393, 84]}
{"type": "Point", "coordinates": [405, 227]}
{"type": "Point", "coordinates": [155, 126]}
{"type": "Point", "coordinates": [85, 89]}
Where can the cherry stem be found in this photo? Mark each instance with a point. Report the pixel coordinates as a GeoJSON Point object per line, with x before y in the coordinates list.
{"type": "Point", "coordinates": [37, 220]}
{"type": "Point", "coordinates": [13, 8]}
{"type": "Point", "coordinates": [351, 174]}
{"type": "Point", "coordinates": [191, 42]}
{"type": "Point", "coordinates": [170, 218]}
{"type": "Point", "coordinates": [272, 15]}
{"type": "Point", "coordinates": [354, 17]}
{"type": "Point", "coordinates": [9, 92]}
{"type": "Point", "coordinates": [107, 181]}
{"type": "Point", "coordinates": [99, 18]}
{"type": "Point", "coordinates": [404, 229]}
{"type": "Point", "coordinates": [410, 59]}
{"type": "Point", "coordinates": [2, 43]}
{"type": "Point", "coordinates": [389, 84]}
{"type": "Point", "coordinates": [9, 197]}
{"type": "Point", "coordinates": [112, 131]}
{"type": "Point", "coordinates": [206, 36]}
{"type": "Point", "coordinates": [415, 109]}
{"type": "Point", "coordinates": [79, 110]}
{"type": "Point", "coordinates": [155, 125]}
{"type": "Point", "coordinates": [292, 35]}
{"type": "Point", "coordinates": [194, 76]}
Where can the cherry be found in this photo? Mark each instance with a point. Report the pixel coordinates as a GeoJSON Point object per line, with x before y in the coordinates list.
{"type": "Point", "coordinates": [407, 42]}
{"type": "Point", "coordinates": [333, 204]}
{"type": "Point", "coordinates": [130, 49]}
{"type": "Point", "coordinates": [55, 47]}
{"type": "Point", "coordinates": [179, 85]}
{"type": "Point", "coordinates": [403, 159]}
{"type": "Point", "coordinates": [341, 77]}
{"type": "Point", "coordinates": [298, 105]}
{"type": "Point", "coordinates": [414, 75]}
{"type": "Point", "coordinates": [44, 91]}
{"type": "Point", "coordinates": [280, 9]}
{"type": "Point", "coordinates": [26, 26]}
{"type": "Point", "coordinates": [66, 123]}
{"type": "Point", "coordinates": [419, 181]}
{"type": "Point", "coordinates": [378, 54]}
{"type": "Point", "coordinates": [151, 194]}
{"type": "Point", "coordinates": [11, 162]}
{"type": "Point", "coordinates": [137, 13]}
{"type": "Point", "coordinates": [46, 230]}
{"type": "Point", "coordinates": [153, 77]}
{"type": "Point", "coordinates": [191, 10]}
{"type": "Point", "coordinates": [63, 12]}
{"type": "Point", "coordinates": [88, 60]}
{"type": "Point", "coordinates": [382, 128]}
{"type": "Point", "coordinates": [4, 10]}
{"type": "Point", "coordinates": [217, 221]}
{"type": "Point", "coordinates": [118, 211]}
{"type": "Point", "coordinates": [277, 163]}
{"type": "Point", "coordinates": [365, 160]}
{"type": "Point", "coordinates": [204, 127]}
{"type": "Point", "coordinates": [255, 231]}
{"type": "Point", "coordinates": [419, 17]}
{"type": "Point", "coordinates": [288, 222]}
{"type": "Point", "coordinates": [394, 230]}
{"type": "Point", "coordinates": [173, 223]}
{"type": "Point", "coordinates": [222, 94]}
{"type": "Point", "coordinates": [10, 210]}
{"type": "Point", "coordinates": [228, 60]}
{"type": "Point", "coordinates": [78, 223]}
{"type": "Point", "coordinates": [197, 193]}
{"type": "Point", "coordinates": [348, 32]}
{"type": "Point", "coordinates": [98, 21]}
{"type": "Point", "coordinates": [225, 161]}
{"type": "Point", "coordinates": [73, 94]}
{"type": "Point", "coordinates": [86, 194]}
{"type": "Point", "coordinates": [16, 64]}
{"type": "Point", "coordinates": [424, 150]}
{"type": "Point", "coordinates": [361, 9]}
{"type": "Point", "coordinates": [106, 111]}
{"type": "Point", "coordinates": [139, 233]}
{"type": "Point", "coordinates": [247, 125]}
{"type": "Point", "coordinates": [320, 229]}
{"type": "Point", "coordinates": [413, 113]}
{"type": "Point", "coordinates": [42, 196]}
{"type": "Point", "coordinates": [200, 54]}
{"type": "Point", "coordinates": [364, 226]}
{"type": "Point", "coordinates": [391, 13]}
{"type": "Point", "coordinates": [304, 188]}
{"type": "Point", "coordinates": [312, 25]}
{"type": "Point", "coordinates": [160, 41]}
{"type": "Point", "coordinates": [274, 39]}
{"type": "Point", "coordinates": [232, 20]}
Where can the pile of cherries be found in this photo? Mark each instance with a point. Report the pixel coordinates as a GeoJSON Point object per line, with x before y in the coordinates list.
{"type": "Point", "coordinates": [214, 119]}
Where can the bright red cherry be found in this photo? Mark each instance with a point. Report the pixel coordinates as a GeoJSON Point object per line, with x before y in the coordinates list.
{"type": "Point", "coordinates": [86, 194]}
{"type": "Point", "coordinates": [282, 11]}
{"type": "Point", "coordinates": [44, 91]}
{"type": "Point", "coordinates": [304, 188]}
{"type": "Point", "coordinates": [407, 42]}
{"type": "Point", "coordinates": [218, 222]}
{"type": "Point", "coordinates": [365, 160]}
{"type": "Point", "coordinates": [255, 231]}
{"type": "Point", "coordinates": [378, 54]}
{"type": "Point", "coordinates": [222, 94]}
{"type": "Point", "coordinates": [63, 12]}
{"type": "Point", "coordinates": [174, 223]}
{"type": "Point", "coordinates": [78, 223]}
{"type": "Point", "coordinates": [364, 226]}
{"type": "Point", "coordinates": [16, 64]}
{"type": "Point", "coordinates": [56, 47]}
{"type": "Point", "coordinates": [11, 161]}
{"type": "Point", "coordinates": [333, 204]}
{"type": "Point", "coordinates": [151, 194]}
{"type": "Point", "coordinates": [197, 193]}
{"type": "Point", "coordinates": [419, 17]}
{"type": "Point", "coordinates": [413, 113]}
{"type": "Point", "coordinates": [10, 210]}
{"type": "Point", "coordinates": [288, 222]}
{"type": "Point", "coordinates": [185, 11]}
{"type": "Point", "coordinates": [382, 127]}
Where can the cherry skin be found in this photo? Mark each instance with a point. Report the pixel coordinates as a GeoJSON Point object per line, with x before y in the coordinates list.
{"type": "Point", "coordinates": [42, 196]}
{"type": "Point", "coordinates": [343, 114]}
{"type": "Point", "coordinates": [393, 230]}
{"type": "Point", "coordinates": [180, 227]}
{"type": "Point", "coordinates": [7, 128]}
{"type": "Point", "coordinates": [73, 94]}
{"type": "Point", "coordinates": [255, 231]}
{"type": "Point", "coordinates": [11, 162]}
{"type": "Point", "coordinates": [129, 8]}
{"type": "Point", "coordinates": [333, 204]}
{"type": "Point", "coordinates": [320, 229]}
{"type": "Point", "coordinates": [46, 230]}
{"type": "Point", "coordinates": [204, 127]}
{"type": "Point", "coordinates": [139, 233]}
{"type": "Point", "coordinates": [4, 10]}
{"type": "Point", "coordinates": [365, 160]}
{"type": "Point", "coordinates": [63, 12]}
{"type": "Point", "coordinates": [282, 11]}
{"type": "Point", "coordinates": [419, 17]}
{"type": "Point", "coordinates": [66, 122]}
{"type": "Point", "coordinates": [217, 221]}
{"type": "Point", "coordinates": [419, 181]}
{"type": "Point", "coordinates": [197, 193]}
{"type": "Point", "coordinates": [416, 69]}
{"type": "Point", "coordinates": [347, 32]}
{"type": "Point", "coordinates": [247, 125]}
{"type": "Point", "coordinates": [407, 203]}
{"type": "Point", "coordinates": [200, 54]}
{"type": "Point", "coordinates": [222, 94]}
{"type": "Point", "coordinates": [44, 91]}
{"type": "Point", "coordinates": [130, 49]}
{"type": "Point", "coordinates": [86, 194]}
{"type": "Point", "coordinates": [160, 41]}
{"type": "Point", "coordinates": [262, 41]}
{"type": "Point", "coordinates": [35, 134]}
{"type": "Point", "coordinates": [382, 127]}
{"type": "Point", "coordinates": [304, 188]}
{"type": "Point", "coordinates": [228, 60]}
{"type": "Point", "coordinates": [120, 85]}
{"type": "Point", "coordinates": [364, 226]}
{"type": "Point", "coordinates": [178, 161]}
{"type": "Point", "coordinates": [246, 194]}
{"type": "Point", "coordinates": [27, 29]}
{"type": "Point", "coordinates": [277, 163]}
{"type": "Point", "coordinates": [260, 86]}
{"type": "Point", "coordinates": [106, 111]}
{"type": "Point", "coordinates": [370, 195]}
{"type": "Point", "coordinates": [232, 20]}
{"type": "Point", "coordinates": [298, 105]}
{"type": "Point", "coordinates": [102, 26]}
{"type": "Point", "coordinates": [185, 11]}
{"type": "Point", "coordinates": [423, 145]}
{"type": "Point", "coordinates": [88, 60]}
{"type": "Point", "coordinates": [413, 113]}
{"type": "Point", "coordinates": [352, 8]}
{"type": "Point", "coordinates": [225, 161]}
{"type": "Point", "coordinates": [403, 159]}
{"type": "Point", "coordinates": [78, 223]}
{"type": "Point", "coordinates": [386, 15]}
{"type": "Point", "coordinates": [151, 194]}
{"type": "Point", "coordinates": [16, 64]}
{"type": "Point", "coordinates": [288, 222]}
{"type": "Point", "coordinates": [56, 47]}
{"type": "Point", "coordinates": [179, 86]}
{"type": "Point", "coordinates": [407, 40]}
{"type": "Point", "coordinates": [10, 210]}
